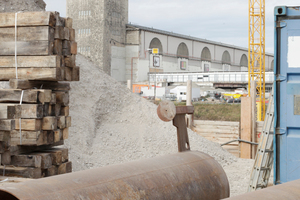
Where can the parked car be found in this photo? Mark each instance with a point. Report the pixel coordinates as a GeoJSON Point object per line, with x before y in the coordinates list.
{"type": "Point", "coordinates": [233, 101]}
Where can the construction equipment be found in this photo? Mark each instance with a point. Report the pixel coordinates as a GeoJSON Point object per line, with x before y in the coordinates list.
{"type": "Point", "coordinates": [256, 51]}
{"type": "Point", "coordinates": [264, 157]}
{"type": "Point", "coordinates": [185, 175]}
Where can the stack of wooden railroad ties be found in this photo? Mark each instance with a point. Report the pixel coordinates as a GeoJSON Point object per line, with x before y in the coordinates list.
{"type": "Point", "coordinates": [37, 57]}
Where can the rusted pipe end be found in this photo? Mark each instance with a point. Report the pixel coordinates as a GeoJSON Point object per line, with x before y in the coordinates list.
{"type": "Point", "coordinates": [166, 111]}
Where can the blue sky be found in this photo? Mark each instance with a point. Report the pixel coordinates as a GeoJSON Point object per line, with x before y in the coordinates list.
{"type": "Point", "coordinates": [217, 20]}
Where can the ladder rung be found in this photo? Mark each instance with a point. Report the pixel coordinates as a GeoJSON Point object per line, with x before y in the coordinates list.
{"type": "Point", "coordinates": [264, 168]}
{"type": "Point", "coordinates": [269, 150]}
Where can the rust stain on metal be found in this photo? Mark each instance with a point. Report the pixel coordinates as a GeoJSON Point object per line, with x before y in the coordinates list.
{"type": "Point", "coordinates": [187, 175]}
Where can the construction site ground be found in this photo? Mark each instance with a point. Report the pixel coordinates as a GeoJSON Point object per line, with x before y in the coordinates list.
{"type": "Point", "coordinates": [111, 125]}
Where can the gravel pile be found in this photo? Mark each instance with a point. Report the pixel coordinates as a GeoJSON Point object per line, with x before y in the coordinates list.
{"type": "Point", "coordinates": [22, 5]}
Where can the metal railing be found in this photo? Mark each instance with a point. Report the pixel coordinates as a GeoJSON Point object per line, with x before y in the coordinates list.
{"type": "Point", "coordinates": [213, 77]}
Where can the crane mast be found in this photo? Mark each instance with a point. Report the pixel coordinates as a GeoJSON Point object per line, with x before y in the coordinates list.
{"type": "Point", "coordinates": [256, 53]}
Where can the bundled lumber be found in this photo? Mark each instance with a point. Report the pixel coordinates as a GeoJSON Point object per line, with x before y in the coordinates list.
{"type": "Point", "coordinates": [44, 47]}
{"type": "Point", "coordinates": [34, 112]}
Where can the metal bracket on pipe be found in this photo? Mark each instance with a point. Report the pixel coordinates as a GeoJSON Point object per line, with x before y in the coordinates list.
{"type": "Point", "coordinates": [167, 111]}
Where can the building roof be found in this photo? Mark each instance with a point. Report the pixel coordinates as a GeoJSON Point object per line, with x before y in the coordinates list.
{"type": "Point", "coordinates": [187, 37]}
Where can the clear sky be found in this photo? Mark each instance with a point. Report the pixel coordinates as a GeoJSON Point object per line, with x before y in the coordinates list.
{"type": "Point", "coordinates": [217, 20]}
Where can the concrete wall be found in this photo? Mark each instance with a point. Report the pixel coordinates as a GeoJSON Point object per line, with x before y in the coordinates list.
{"type": "Point", "coordinates": [169, 62]}
{"type": "Point", "coordinates": [100, 25]}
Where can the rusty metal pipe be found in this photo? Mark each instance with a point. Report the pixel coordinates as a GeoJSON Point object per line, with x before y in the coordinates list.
{"type": "Point", "coordinates": [186, 175]}
{"type": "Point", "coordinates": [286, 191]}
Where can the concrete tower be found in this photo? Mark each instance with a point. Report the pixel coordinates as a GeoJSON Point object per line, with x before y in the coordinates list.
{"type": "Point", "coordinates": [101, 32]}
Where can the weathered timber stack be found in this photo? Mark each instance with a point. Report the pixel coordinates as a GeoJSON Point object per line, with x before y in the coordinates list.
{"type": "Point", "coordinates": [37, 52]}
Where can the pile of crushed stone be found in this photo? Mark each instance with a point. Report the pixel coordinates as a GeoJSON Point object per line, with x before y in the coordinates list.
{"type": "Point", "coordinates": [111, 125]}
{"type": "Point", "coordinates": [21, 5]}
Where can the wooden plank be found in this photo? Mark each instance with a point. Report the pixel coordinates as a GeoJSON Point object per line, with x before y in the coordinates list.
{"type": "Point", "coordinates": [37, 33]}
{"type": "Point", "coordinates": [65, 133]}
{"type": "Point", "coordinates": [46, 161]}
{"type": "Point", "coordinates": [4, 136]}
{"type": "Point", "coordinates": [69, 22]}
{"type": "Point", "coordinates": [51, 171]}
{"type": "Point", "coordinates": [49, 123]}
{"type": "Point", "coordinates": [27, 84]}
{"type": "Point", "coordinates": [73, 48]}
{"type": "Point", "coordinates": [64, 168]}
{"type": "Point", "coordinates": [246, 127]}
{"type": "Point", "coordinates": [49, 74]}
{"type": "Point", "coordinates": [217, 131]}
{"type": "Point", "coordinates": [72, 34]}
{"type": "Point", "coordinates": [58, 135]}
{"type": "Point", "coordinates": [27, 48]}
{"type": "Point", "coordinates": [56, 109]}
{"type": "Point", "coordinates": [65, 111]}
{"type": "Point", "coordinates": [29, 96]}
{"type": "Point", "coordinates": [70, 61]}
{"type": "Point", "coordinates": [7, 125]}
{"type": "Point", "coordinates": [68, 74]}
{"type": "Point", "coordinates": [218, 123]}
{"type": "Point", "coordinates": [62, 98]}
{"type": "Point", "coordinates": [65, 153]}
{"type": "Point", "coordinates": [67, 33]}
{"type": "Point", "coordinates": [8, 111]}
{"type": "Point", "coordinates": [59, 32]}
{"type": "Point", "coordinates": [68, 121]}
{"type": "Point", "coordinates": [29, 124]}
{"type": "Point", "coordinates": [56, 156]}
{"type": "Point", "coordinates": [28, 19]}
{"type": "Point", "coordinates": [53, 99]}
{"type": "Point", "coordinates": [57, 47]}
{"type": "Point", "coordinates": [50, 137]}
{"type": "Point", "coordinates": [31, 61]}
{"type": "Point", "coordinates": [30, 111]}
{"type": "Point", "coordinates": [6, 158]}
{"type": "Point", "coordinates": [75, 74]}
{"type": "Point", "coordinates": [36, 138]}
{"type": "Point", "coordinates": [26, 161]}
{"type": "Point", "coordinates": [62, 122]}
{"type": "Point", "coordinates": [25, 172]}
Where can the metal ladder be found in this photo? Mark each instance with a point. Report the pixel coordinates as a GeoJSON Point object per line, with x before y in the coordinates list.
{"type": "Point", "coordinates": [264, 157]}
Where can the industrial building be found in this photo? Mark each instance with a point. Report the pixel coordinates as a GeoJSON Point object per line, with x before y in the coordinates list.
{"type": "Point", "coordinates": [124, 50]}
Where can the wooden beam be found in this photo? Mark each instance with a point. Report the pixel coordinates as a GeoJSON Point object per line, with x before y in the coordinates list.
{"type": "Point", "coordinates": [65, 111]}
{"type": "Point", "coordinates": [61, 122]}
{"type": "Point", "coordinates": [26, 161]}
{"type": "Point", "coordinates": [29, 96]}
{"type": "Point", "coordinates": [68, 121]}
{"type": "Point", "coordinates": [28, 19]}
{"type": "Point", "coordinates": [246, 127]}
{"type": "Point", "coordinates": [29, 124]}
{"type": "Point", "coordinates": [49, 123]}
{"type": "Point", "coordinates": [56, 156]}
{"type": "Point", "coordinates": [65, 133]}
{"type": "Point", "coordinates": [37, 33]}
{"type": "Point", "coordinates": [70, 61]}
{"type": "Point", "coordinates": [8, 111]}
{"type": "Point", "coordinates": [27, 84]}
{"type": "Point", "coordinates": [35, 138]}
{"type": "Point", "coordinates": [46, 161]}
{"type": "Point", "coordinates": [31, 61]}
{"type": "Point", "coordinates": [7, 125]}
{"type": "Point", "coordinates": [27, 48]}
{"type": "Point", "coordinates": [51, 171]}
{"type": "Point", "coordinates": [25, 172]}
{"type": "Point", "coordinates": [45, 74]}
{"type": "Point", "coordinates": [64, 168]}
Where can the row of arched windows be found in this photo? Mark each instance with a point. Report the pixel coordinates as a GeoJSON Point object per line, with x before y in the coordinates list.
{"type": "Point", "coordinates": [182, 51]}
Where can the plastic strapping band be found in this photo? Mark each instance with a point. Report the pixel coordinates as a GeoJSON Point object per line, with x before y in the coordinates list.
{"type": "Point", "coordinates": [20, 119]}
{"type": "Point", "coordinates": [16, 48]}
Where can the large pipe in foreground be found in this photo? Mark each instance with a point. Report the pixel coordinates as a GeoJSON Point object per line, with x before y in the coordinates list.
{"type": "Point", "coordinates": [286, 191]}
{"type": "Point", "coordinates": [186, 175]}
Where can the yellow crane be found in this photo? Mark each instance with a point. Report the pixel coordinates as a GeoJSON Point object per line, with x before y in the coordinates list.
{"type": "Point", "coordinates": [256, 52]}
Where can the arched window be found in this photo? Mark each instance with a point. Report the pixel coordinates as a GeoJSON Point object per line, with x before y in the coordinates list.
{"type": "Point", "coordinates": [155, 43]}
{"type": "Point", "coordinates": [205, 54]}
{"type": "Point", "coordinates": [244, 61]}
{"type": "Point", "coordinates": [226, 58]}
{"type": "Point", "coordinates": [182, 50]}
